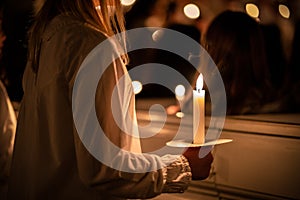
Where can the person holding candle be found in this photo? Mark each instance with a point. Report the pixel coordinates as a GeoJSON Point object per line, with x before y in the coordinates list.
{"type": "Point", "coordinates": [49, 159]}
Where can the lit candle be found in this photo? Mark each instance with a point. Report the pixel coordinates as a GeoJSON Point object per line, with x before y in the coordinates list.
{"type": "Point", "coordinates": [199, 112]}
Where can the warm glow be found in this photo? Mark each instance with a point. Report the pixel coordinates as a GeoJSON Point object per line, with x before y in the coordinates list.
{"type": "Point", "coordinates": [172, 109]}
{"type": "Point", "coordinates": [199, 84]}
{"type": "Point", "coordinates": [127, 2]}
{"type": "Point", "coordinates": [137, 87]}
{"type": "Point", "coordinates": [192, 11]}
{"type": "Point", "coordinates": [284, 11]}
{"type": "Point", "coordinates": [252, 10]}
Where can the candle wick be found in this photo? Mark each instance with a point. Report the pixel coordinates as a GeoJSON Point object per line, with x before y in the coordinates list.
{"type": "Point", "coordinates": [198, 90]}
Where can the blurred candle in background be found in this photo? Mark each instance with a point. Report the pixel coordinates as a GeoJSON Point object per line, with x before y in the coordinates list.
{"type": "Point", "coordinates": [199, 112]}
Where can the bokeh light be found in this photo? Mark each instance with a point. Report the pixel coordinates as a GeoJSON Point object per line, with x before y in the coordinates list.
{"type": "Point", "coordinates": [127, 2]}
{"type": "Point", "coordinates": [252, 10]}
{"type": "Point", "coordinates": [284, 11]}
{"type": "Point", "coordinates": [180, 90]}
{"type": "Point", "coordinates": [192, 11]}
{"type": "Point", "coordinates": [180, 114]}
{"type": "Point", "coordinates": [137, 87]}
{"type": "Point", "coordinates": [157, 35]}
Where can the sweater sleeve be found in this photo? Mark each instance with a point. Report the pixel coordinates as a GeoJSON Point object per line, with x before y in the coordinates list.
{"type": "Point", "coordinates": [108, 149]}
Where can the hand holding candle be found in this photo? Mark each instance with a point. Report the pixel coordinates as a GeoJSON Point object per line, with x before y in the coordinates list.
{"type": "Point", "coordinates": [199, 112]}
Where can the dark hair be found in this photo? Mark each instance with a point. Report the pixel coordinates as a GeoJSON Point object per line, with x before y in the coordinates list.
{"type": "Point", "coordinates": [235, 42]}
{"type": "Point", "coordinates": [84, 9]}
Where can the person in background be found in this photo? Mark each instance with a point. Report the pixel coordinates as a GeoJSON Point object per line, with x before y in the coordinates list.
{"type": "Point", "coordinates": [49, 159]}
{"type": "Point", "coordinates": [275, 56]}
{"type": "Point", "coordinates": [16, 21]}
{"type": "Point", "coordinates": [235, 42]}
{"type": "Point", "coordinates": [291, 91]}
{"type": "Point", "coordinates": [8, 123]}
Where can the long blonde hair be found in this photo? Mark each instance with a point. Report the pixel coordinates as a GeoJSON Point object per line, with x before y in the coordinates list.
{"type": "Point", "coordinates": [84, 9]}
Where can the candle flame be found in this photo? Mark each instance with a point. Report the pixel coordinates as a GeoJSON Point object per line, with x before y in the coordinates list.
{"type": "Point", "coordinates": [199, 84]}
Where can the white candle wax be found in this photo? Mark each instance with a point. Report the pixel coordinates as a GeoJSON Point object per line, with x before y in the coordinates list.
{"type": "Point", "coordinates": [199, 112]}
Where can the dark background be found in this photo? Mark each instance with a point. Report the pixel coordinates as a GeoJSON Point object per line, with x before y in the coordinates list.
{"type": "Point", "coordinates": [17, 17]}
